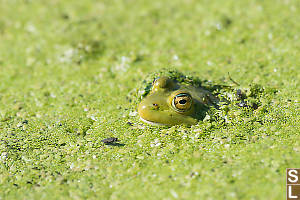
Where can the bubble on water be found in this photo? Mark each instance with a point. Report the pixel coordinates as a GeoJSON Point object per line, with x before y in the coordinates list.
{"type": "Point", "coordinates": [123, 65]}
{"type": "Point", "coordinates": [209, 63]}
{"type": "Point", "coordinates": [155, 143]}
{"type": "Point", "coordinates": [31, 28]}
{"type": "Point", "coordinates": [219, 26]}
{"type": "Point", "coordinates": [293, 8]}
{"type": "Point", "coordinates": [3, 156]}
{"type": "Point", "coordinates": [93, 118]}
{"type": "Point", "coordinates": [270, 36]}
{"type": "Point", "coordinates": [174, 194]}
{"type": "Point", "coordinates": [259, 8]}
{"type": "Point", "coordinates": [133, 113]}
{"type": "Point", "coordinates": [207, 32]}
{"type": "Point", "coordinates": [30, 61]}
{"type": "Point", "coordinates": [67, 55]}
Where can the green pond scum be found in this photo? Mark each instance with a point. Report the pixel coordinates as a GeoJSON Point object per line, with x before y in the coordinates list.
{"type": "Point", "coordinates": [73, 74]}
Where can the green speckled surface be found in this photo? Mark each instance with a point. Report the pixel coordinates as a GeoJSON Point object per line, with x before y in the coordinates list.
{"type": "Point", "coordinates": [69, 70]}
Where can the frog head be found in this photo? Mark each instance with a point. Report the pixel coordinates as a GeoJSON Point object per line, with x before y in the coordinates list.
{"type": "Point", "coordinates": [170, 103]}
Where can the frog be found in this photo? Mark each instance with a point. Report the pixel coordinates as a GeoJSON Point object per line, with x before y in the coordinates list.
{"type": "Point", "coordinates": [175, 99]}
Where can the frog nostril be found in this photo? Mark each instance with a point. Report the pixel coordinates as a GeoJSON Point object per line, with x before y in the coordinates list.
{"type": "Point", "coordinates": [155, 105]}
{"type": "Point", "coordinates": [183, 101]}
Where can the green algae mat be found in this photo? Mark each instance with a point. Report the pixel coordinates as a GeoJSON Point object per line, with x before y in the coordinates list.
{"type": "Point", "coordinates": [71, 73]}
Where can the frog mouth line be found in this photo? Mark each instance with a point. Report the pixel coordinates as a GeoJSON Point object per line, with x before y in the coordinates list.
{"type": "Point", "coordinates": [152, 123]}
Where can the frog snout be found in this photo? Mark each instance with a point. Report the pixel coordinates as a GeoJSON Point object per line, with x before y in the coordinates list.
{"type": "Point", "coordinates": [144, 107]}
{"type": "Point", "coordinates": [147, 109]}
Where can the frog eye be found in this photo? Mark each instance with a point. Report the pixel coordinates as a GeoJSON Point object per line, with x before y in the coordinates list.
{"type": "Point", "coordinates": [182, 102]}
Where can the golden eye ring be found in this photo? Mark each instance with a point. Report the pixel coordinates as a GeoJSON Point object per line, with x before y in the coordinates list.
{"type": "Point", "coordinates": [182, 102]}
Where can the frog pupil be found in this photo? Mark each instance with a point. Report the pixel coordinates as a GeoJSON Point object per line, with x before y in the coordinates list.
{"type": "Point", "coordinates": [183, 101]}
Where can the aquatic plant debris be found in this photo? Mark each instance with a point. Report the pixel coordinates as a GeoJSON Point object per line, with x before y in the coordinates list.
{"type": "Point", "coordinates": [110, 140]}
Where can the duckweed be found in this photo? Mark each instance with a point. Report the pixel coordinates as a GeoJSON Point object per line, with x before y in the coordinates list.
{"type": "Point", "coordinates": [71, 75]}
